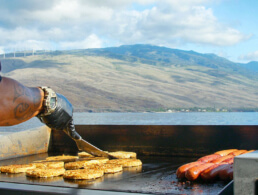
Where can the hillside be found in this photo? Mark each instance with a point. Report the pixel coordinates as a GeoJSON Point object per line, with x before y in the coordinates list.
{"type": "Point", "coordinates": [138, 78]}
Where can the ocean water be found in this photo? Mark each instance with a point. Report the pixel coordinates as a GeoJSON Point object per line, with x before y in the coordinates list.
{"type": "Point", "coordinates": [178, 118]}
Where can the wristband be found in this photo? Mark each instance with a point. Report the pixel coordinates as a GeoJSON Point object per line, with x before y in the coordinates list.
{"type": "Point", "coordinates": [49, 102]}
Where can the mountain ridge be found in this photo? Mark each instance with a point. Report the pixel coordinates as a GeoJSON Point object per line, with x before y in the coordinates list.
{"type": "Point", "coordinates": [138, 78]}
{"type": "Point", "coordinates": [135, 52]}
{"type": "Point", "coordinates": [179, 57]}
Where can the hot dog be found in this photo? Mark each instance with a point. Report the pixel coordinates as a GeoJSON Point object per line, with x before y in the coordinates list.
{"type": "Point", "coordinates": [225, 152]}
{"type": "Point", "coordinates": [221, 159]}
{"type": "Point", "coordinates": [210, 167]}
{"type": "Point", "coordinates": [238, 152]}
{"type": "Point", "coordinates": [209, 158]}
{"type": "Point", "coordinates": [226, 172]}
{"type": "Point", "coordinates": [180, 173]}
{"type": "Point", "coordinates": [194, 172]}
{"type": "Point", "coordinates": [212, 172]}
{"type": "Point", "coordinates": [230, 172]}
{"type": "Point", "coordinates": [249, 151]}
{"type": "Point", "coordinates": [229, 161]}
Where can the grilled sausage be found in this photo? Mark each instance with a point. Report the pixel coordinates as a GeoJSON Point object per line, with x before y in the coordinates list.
{"type": "Point", "coordinates": [225, 152]}
{"type": "Point", "coordinates": [180, 173]}
{"type": "Point", "coordinates": [212, 172]}
{"type": "Point", "coordinates": [230, 172]}
{"type": "Point", "coordinates": [229, 160]}
{"type": "Point", "coordinates": [209, 158]}
{"type": "Point", "coordinates": [238, 152]}
{"type": "Point", "coordinates": [194, 172]}
{"type": "Point", "coordinates": [249, 151]}
{"type": "Point", "coordinates": [226, 173]}
{"type": "Point", "coordinates": [221, 159]}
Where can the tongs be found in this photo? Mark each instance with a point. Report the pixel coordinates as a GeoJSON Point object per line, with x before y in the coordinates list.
{"type": "Point", "coordinates": [84, 145]}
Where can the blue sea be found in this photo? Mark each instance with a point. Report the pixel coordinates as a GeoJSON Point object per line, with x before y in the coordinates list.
{"type": "Point", "coordinates": [178, 118]}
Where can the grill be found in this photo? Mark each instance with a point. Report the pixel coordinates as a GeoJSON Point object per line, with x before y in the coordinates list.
{"type": "Point", "coordinates": [162, 150]}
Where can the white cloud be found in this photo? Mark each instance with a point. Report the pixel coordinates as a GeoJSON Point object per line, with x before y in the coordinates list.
{"type": "Point", "coordinates": [252, 56]}
{"type": "Point", "coordinates": [91, 41]}
{"type": "Point", "coordinates": [18, 34]}
{"type": "Point", "coordinates": [71, 12]}
{"type": "Point", "coordinates": [66, 23]}
{"type": "Point", "coordinates": [195, 24]}
{"type": "Point", "coordinates": [2, 50]}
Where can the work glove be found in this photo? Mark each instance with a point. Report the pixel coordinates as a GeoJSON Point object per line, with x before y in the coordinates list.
{"type": "Point", "coordinates": [70, 131]}
{"type": "Point", "coordinates": [62, 117]}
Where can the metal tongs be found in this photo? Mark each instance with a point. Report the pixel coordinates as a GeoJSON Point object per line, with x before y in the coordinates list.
{"type": "Point", "coordinates": [84, 145]}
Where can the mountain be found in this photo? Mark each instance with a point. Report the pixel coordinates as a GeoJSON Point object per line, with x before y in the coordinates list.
{"type": "Point", "coordinates": [251, 66]}
{"type": "Point", "coordinates": [162, 56]}
{"type": "Point", "coordinates": [139, 78]}
{"type": "Point", "coordinates": [157, 56]}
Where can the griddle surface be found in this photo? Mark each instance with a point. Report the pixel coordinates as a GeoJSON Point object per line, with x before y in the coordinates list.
{"type": "Point", "coordinates": [157, 175]}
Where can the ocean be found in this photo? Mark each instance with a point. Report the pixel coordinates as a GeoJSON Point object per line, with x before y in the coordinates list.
{"type": "Point", "coordinates": [178, 118]}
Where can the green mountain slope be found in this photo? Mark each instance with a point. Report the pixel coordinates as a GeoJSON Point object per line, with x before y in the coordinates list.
{"type": "Point", "coordinates": [138, 78]}
{"type": "Point", "coordinates": [162, 56]}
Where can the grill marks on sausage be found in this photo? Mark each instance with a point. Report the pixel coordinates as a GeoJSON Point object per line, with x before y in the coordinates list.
{"type": "Point", "coordinates": [238, 152]}
{"type": "Point", "coordinates": [209, 158]}
{"type": "Point", "coordinates": [225, 152]}
{"type": "Point", "coordinates": [194, 172]}
{"type": "Point", "coordinates": [180, 173]}
{"type": "Point", "coordinates": [211, 167]}
{"type": "Point", "coordinates": [222, 159]}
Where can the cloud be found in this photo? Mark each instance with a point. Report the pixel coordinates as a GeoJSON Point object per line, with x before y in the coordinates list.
{"type": "Point", "coordinates": [85, 23]}
{"type": "Point", "coordinates": [15, 5]}
{"type": "Point", "coordinates": [91, 41]}
{"type": "Point", "coordinates": [192, 24]}
{"type": "Point", "coordinates": [252, 56]}
{"type": "Point", "coordinates": [2, 50]}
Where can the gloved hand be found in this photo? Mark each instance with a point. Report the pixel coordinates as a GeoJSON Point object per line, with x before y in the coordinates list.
{"type": "Point", "coordinates": [62, 117]}
{"type": "Point", "coordinates": [70, 131]}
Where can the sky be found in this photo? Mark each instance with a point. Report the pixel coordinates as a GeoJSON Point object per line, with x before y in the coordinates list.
{"type": "Point", "coordinates": [227, 28]}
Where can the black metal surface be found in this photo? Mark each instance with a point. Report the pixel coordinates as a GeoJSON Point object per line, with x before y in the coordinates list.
{"type": "Point", "coordinates": [165, 140]}
{"type": "Point", "coordinates": [162, 150]}
{"type": "Point", "coordinates": [157, 175]}
{"type": "Point", "coordinates": [228, 189]}
{"type": "Point", "coordinates": [26, 189]}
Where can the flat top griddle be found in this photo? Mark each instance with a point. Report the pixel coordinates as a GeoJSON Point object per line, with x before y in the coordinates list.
{"type": "Point", "coordinates": [157, 175]}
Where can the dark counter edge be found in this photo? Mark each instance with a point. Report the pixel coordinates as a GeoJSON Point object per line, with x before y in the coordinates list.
{"type": "Point", "coordinates": [22, 189]}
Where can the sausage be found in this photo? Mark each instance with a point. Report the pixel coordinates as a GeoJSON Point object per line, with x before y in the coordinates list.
{"type": "Point", "coordinates": [229, 160]}
{"type": "Point", "coordinates": [212, 172]}
{"type": "Point", "coordinates": [230, 173]}
{"type": "Point", "coordinates": [249, 151]}
{"type": "Point", "coordinates": [238, 152]}
{"type": "Point", "coordinates": [221, 159]}
{"type": "Point", "coordinates": [226, 172]}
{"type": "Point", "coordinates": [180, 173]}
{"type": "Point", "coordinates": [194, 172]}
{"type": "Point", "coordinates": [225, 152]}
{"type": "Point", "coordinates": [209, 158]}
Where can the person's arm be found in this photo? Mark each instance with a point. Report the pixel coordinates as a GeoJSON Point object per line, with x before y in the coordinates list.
{"type": "Point", "coordinates": [18, 103]}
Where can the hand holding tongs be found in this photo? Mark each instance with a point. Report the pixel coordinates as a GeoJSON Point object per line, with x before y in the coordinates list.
{"type": "Point", "coordinates": [82, 144]}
